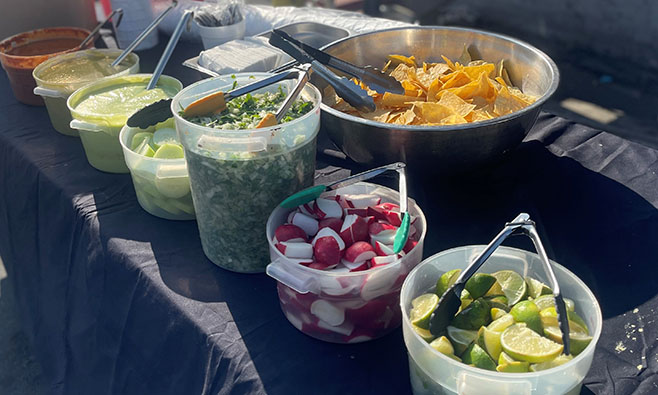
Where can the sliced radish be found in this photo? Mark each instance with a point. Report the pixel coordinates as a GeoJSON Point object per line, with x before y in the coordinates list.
{"type": "Point", "coordinates": [382, 229]}
{"type": "Point", "coordinates": [409, 245]}
{"type": "Point", "coordinates": [383, 260]}
{"type": "Point", "coordinates": [362, 201]}
{"type": "Point", "coordinates": [327, 252]}
{"type": "Point", "coordinates": [289, 232]}
{"type": "Point", "coordinates": [382, 249]}
{"type": "Point", "coordinates": [354, 229]}
{"type": "Point", "coordinates": [328, 232]}
{"type": "Point", "coordinates": [378, 283]}
{"type": "Point", "coordinates": [333, 223]}
{"type": "Point", "coordinates": [386, 212]}
{"type": "Point", "coordinates": [361, 212]}
{"type": "Point", "coordinates": [322, 266]}
{"type": "Point", "coordinates": [328, 312]}
{"type": "Point", "coordinates": [356, 266]}
{"type": "Point", "coordinates": [333, 286]}
{"type": "Point", "coordinates": [328, 208]}
{"type": "Point", "coordinates": [359, 252]}
{"type": "Point", "coordinates": [291, 215]}
{"type": "Point", "coordinates": [344, 329]}
{"type": "Point", "coordinates": [308, 209]}
{"type": "Point", "coordinates": [413, 232]}
{"type": "Point", "coordinates": [390, 206]}
{"type": "Point", "coordinates": [340, 268]}
{"type": "Point", "coordinates": [364, 266]}
{"type": "Point", "coordinates": [295, 249]}
{"type": "Point", "coordinates": [302, 261]}
{"type": "Point", "coordinates": [308, 224]}
{"type": "Point", "coordinates": [374, 314]}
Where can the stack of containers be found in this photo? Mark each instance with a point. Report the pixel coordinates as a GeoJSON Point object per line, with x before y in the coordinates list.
{"type": "Point", "coordinates": [59, 77]}
{"type": "Point", "coordinates": [137, 15]}
{"type": "Point", "coordinates": [238, 176]}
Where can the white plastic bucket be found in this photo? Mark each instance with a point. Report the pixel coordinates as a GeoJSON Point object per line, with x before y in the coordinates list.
{"type": "Point", "coordinates": [434, 373]}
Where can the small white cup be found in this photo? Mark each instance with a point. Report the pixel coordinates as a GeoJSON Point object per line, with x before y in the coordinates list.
{"type": "Point", "coordinates": [214, 36]}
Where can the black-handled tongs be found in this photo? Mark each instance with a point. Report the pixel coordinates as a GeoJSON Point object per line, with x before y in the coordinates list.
{"type": "Point", "coordinates": [371, 76]}
{"type": "Point", "coordinates": [350, 92]}
{"type": "Point", "coordinates": [450, 301]}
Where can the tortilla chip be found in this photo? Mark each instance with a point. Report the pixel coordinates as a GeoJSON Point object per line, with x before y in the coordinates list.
{"type": "Point", "coordinates": [408, 60]}
{"type": "Point", "coordinates": [455, 79]}
{"type": "Point", "coordinates": [432, 112]}
{"type": "Point", "coordinates": [456, 104]}
{"type": "Point", "coordinates": [393, 100]}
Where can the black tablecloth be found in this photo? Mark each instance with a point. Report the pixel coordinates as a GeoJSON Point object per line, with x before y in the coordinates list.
{"type": "Point", "coordinates": [115, 300]}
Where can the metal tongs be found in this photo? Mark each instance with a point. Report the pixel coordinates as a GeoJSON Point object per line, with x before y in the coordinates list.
{"type": "Point", "coordinates": [312, 193]}
{"type": "Point", "coordinates": [371, 76]}
{"type": "Point", "coordinates": [350, 92]}
{"type": "Point", "coordinates": [450, 301]}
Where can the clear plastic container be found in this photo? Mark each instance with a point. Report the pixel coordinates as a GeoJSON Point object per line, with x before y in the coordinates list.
{"type": "Point", "coordinates": [239, 176]}
{"type": "Point", "coordinates": [369, 300]}
{"type": "Point", "coordinates": [162, 186]}
{"type": "Point", "coordinates": [434, 373]}
{"type": "Point", "coordinates": [21, 53]}
{"type": "Point", "coordinates": [99, 126]}
{"type": "Point", "coordinates": [62, 75]}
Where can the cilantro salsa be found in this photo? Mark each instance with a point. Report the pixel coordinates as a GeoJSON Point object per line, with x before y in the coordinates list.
{"type": "Point", "coordinates": [246, 111]}
{"type": "Point", "coordinates": [234, 192]}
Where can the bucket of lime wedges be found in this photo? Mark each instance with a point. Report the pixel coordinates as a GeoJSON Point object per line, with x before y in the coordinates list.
{"type": "Point", "coordinates": [505, 337]}
{"type": "Point", "coordinates": [156, 161]}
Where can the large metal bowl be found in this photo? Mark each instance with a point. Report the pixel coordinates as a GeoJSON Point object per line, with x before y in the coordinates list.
{"type": "Point", "coordinates": [439, 149]}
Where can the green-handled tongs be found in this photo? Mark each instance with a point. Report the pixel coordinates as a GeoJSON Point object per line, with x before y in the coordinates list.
{"type": "Point", "coordinates": [312, 193]}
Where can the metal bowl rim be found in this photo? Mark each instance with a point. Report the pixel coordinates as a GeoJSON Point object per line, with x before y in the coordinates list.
{"type": "Point", "coordinates": [466, 126]}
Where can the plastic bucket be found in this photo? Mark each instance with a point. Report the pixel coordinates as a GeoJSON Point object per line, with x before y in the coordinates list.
{"type": "Point", "coordinates": [434, 373]}
{"type": "Point", "coordinates": [216, 35]}
{"type": "Point", "coordinates": [99, 132]}
{"type": "Point", "coordinates": [38, 46]}
{"type": "Point", "coordinates": [239, 176]}
{"type": "Point", "coordinates": [62, 75]}
{"type": "Point", "coordinates": [162, 186]}
{"type": "Point", "coordinates": [368, 300]}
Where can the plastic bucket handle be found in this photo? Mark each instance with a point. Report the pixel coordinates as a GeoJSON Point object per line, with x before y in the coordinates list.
{"type": "Point", "coordinates": [292, 277]}
{"type": "Point", "coordinates": [45, 92]}
{"type": "Point", "coordinates": [86, 126]}
{"type": "Point", "coordinates": [232, 144]}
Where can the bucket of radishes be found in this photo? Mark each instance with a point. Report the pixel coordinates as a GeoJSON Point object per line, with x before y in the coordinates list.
{"type": "Point", "coordinates": [338, 278]}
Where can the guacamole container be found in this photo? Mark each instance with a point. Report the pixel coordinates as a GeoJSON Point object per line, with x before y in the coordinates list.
{"type": "Point", "coordinates": [99, 131]}
{"type": "Point", "coordinates": [239, 176]}
{"type": "Point", "coordinates": [344, 307]}
{"type": "Point", "coordinates": [162, 186]}
{"type": "Point", "coordinates": [58, 77]}
{"type": "Point", "coordinates": [435, 373]}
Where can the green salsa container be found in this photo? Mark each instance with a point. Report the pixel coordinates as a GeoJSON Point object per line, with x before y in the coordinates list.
{"type": "Point", "coordinates": [62, 75]}
{"type": "Point", "coordinates": [101, 109]}
{"type": "Point", "coordinates": [238, 177]}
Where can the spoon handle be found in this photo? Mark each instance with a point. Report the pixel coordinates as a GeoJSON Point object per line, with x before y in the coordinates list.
{"type": "Point", "coordinates": [169, 49]}
{"type": "Point", "coordinates": [98, 27]}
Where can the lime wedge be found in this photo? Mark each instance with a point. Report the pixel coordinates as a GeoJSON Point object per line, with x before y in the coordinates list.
{"type": "Point", "coordinates": [513, 367]}
{"type": "Point", "coordinates": [502, 323]}
{"type": "Point", "coordinates": [495, 290]}
{"type": "Point", "coordinates": [460, 338]}
{"type": "Point", "coordinates": [442, 345]}
{"type": "Point", "coordinates": [499, 301]}
{"type": "Point", "coordinates": [537, 288]}
{"type": "Point", "coordinates": [559, 360]}
{"type": "Point", "coordinates": [424, 333]}
{"type": "Point", "coordinates": [496, 313]}
{"type": "Point", "coordinates": [526, 311]}
{"type": "Point", "coordinates": [492, 343]}
{"type": "Point", "coordinates": [504, 358]}
{"type": "Point", "coordinates": [138, 138]}
{"type": "Point", "coordinates": [479, 358]}
{"type": "Point", "coordinates": [549, 318]}
{"type": "Point", "coordinates": [524, 344]}
{"type": "Point", "coordinates": [513, 286]}
{"type": "Point", "coordinates": [466, 299]}
{"type": "Point", "coordinates": [422, 308]}
{"type": "Point", "coordinates": [169, 151]}
{"type": "Point", "coordinates": [446, 280]}
{"type": "Point", "coordinates": [479, 284]}
{"type": "Point", "coordinates": [546, 301]}
{"type": "Point", "coordinates": [145, 149]}
{"type": "Point", "coordinates": [475, 315]}
{"type": "Point", "coordinates": [579, 338]}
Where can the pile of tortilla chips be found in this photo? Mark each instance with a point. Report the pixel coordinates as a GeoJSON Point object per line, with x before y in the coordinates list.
{"type": "Point", "coordinates": [441, 93]}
